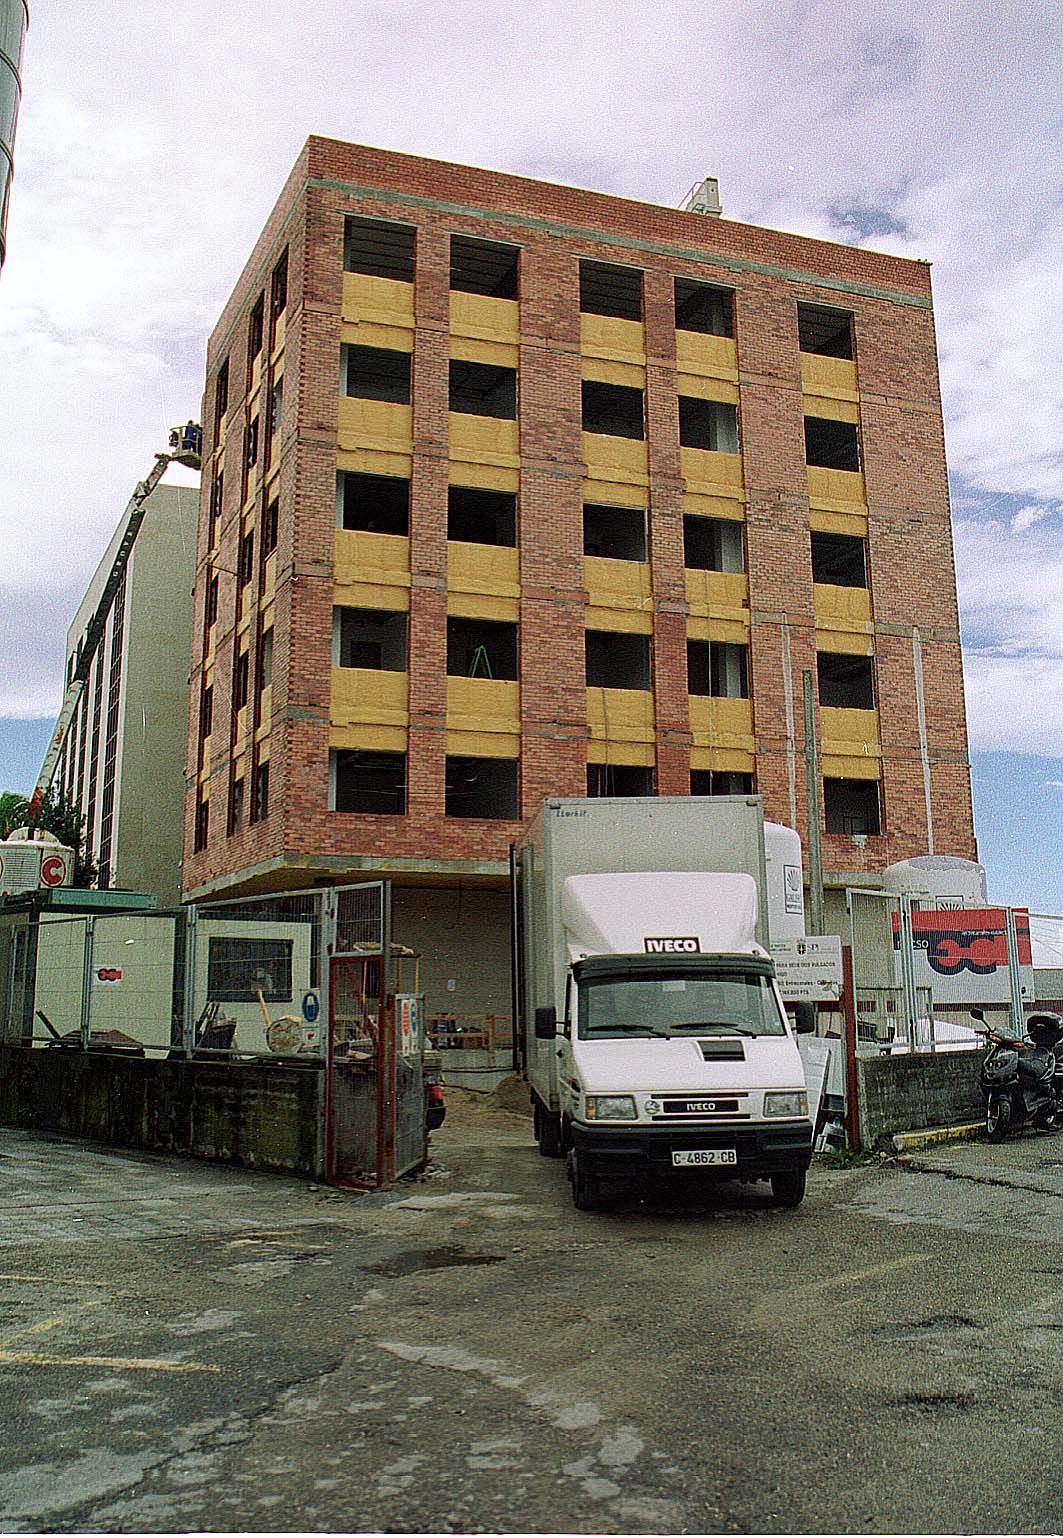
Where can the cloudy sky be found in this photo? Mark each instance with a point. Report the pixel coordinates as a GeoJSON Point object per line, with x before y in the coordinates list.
{"type": "Point", "coordinates": [154, 139]}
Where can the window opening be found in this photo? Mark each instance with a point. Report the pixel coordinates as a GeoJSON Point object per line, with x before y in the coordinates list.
{"type": "Point", "coordinates": [481, 517]}
{"type": "Point", "coordinates": [480, 648]}
{"type": "Point", "coordinates": [719, 669]}
{"type": "Point", "coordinates": [616, 533]}
{"type": "Point", "coordinates": [713, 544]}
{"type": "Point", "coordinates": [211, 611]}
{"type": "Point", "coordinates": [379, 249]}
{"type": "Point", "coordinates": [617, 660]}
{"type": "Point", "coordinates": [201, 828]}
{"type": "Point", "coordinates": [246, 562]}
{"type": "Point", "coordinates": [840, 559]}
{"type": "Point", "coordinates": [852, 806]}
{"type": "Point", "coordinates": [254, 330]}
{"type": "Point", "coordinates": [221, 397]}
{"type": "Point", "coordinates": [709, 425]}
{"type": "Point", "coordinates": [251, 444]}
{"type": "Point", "coordinates": [619, 780]}
{"type": "Point", "coordinates": [260, 793]}
{"type": "Point", "coordinates": [374, 504]}
{"type": "Point", "coordinates": [703, 308]}
{"type": "Point", "coordinates": [265, 658]}
{"type": "Point", "coordinates": [206, 711]}
{"type": "Point", "coordinates": [369, 638]}
{"type": "Point", "coordinates": [369, 782]}
{"type": "Point", "coordinates": [616, 410]}
{"type": "Point", "coordinates": [483, 389]}
{"type": "Point", "coordinates": [605, 289]}
{"type": "Point", "coordinates": [482, 787]}
{"type": "Point", "coordinates": [720, 782]}
{"type": "Point", "coordinates": [240, 681]}
{"type": "Point", "coordinates": [217, 493]}
{"type": "Point", "coordinates": [827, 332]}
{"type": "Point", "coordinates": [483, 267]}
{"type": "Point", "coordinates": [269, 528]}
{"type": "Point", "coordinates": [239, 969]}
{"type": "Point", "coordinates": [831, 445]}
{"type": "Point", "coordinates": [236, 806]}
{"type": "Point", "coordinates": [278, 297]}
{"type": "Point", "coordinates": [846, 682]}
{"type": "Point", "coordinates": [375, 374]}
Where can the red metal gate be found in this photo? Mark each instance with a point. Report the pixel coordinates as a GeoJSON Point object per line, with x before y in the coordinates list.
{"type": "Point", "coordinates": [359, 1074]}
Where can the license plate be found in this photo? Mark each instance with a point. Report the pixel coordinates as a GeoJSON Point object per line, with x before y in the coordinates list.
{"type": "Point", "coordinates": [705, 1156]}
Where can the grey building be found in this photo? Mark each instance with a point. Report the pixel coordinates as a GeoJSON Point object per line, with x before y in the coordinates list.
{"type": "Point", "coordinates": [122, 760]}
{"type": "Point", "coordinates": [14, 23]}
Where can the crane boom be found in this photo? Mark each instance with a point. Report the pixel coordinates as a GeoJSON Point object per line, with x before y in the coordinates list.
{"type": "Point", "coordinates": [185, 448]}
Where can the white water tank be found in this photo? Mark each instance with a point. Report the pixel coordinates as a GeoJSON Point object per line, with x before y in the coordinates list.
{"type": "Point", "coordinates": [786, 882]}
{"type": "Point", "coordinates": [34, 861]}
{"type": "Point", "coordinates": [948, 880]}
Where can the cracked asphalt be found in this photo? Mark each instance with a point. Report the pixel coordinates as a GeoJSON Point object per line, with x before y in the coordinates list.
{"type": "Point", "coordinates": [186, 1347]}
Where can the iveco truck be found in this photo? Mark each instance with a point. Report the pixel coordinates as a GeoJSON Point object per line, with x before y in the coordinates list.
{"type": "Point", "coordinates": [650, 1026]}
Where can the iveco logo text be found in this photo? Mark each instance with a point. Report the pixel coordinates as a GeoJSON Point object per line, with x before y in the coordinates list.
{"type": "Point", "coordinates": [666, 945]}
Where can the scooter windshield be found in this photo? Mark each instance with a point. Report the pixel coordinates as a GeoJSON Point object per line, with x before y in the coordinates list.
{"type": "Point", "coordinates": [662, 1004]}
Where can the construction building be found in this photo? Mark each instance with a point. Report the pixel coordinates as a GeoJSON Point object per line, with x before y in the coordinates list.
{"type": "Point", "coordinates": [14, 24]}
{"type": "Point", "coordinates": [121, 755]}
{"type": "Point", "coordinates": [513, 490]}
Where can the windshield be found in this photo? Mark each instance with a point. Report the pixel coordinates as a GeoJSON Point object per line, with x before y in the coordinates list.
{"type": "Point", "coordinates": [661, 1004]}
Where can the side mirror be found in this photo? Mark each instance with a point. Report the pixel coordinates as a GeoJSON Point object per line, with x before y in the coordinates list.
{"type": "Point", "coordinates": [804, 1019]}
{"type": "Point", "coordinates": [545, 1023]}
{"type": "Point", "coordinates": [976, 1014]}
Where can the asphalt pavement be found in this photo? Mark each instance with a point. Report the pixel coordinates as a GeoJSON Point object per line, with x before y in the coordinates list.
{"type": "Point", "coordinates": [187, 1347]}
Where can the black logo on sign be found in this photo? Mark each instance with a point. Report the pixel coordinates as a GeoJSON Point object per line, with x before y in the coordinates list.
{"type": "Point", "coordinates": [670, 945]}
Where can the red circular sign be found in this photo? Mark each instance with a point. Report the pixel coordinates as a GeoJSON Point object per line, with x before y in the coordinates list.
{"type": "Point", "coordinates": [53, 870]}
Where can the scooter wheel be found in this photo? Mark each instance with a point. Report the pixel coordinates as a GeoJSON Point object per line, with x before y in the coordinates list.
{"type": "Point", "coordinates": [997, 1118]}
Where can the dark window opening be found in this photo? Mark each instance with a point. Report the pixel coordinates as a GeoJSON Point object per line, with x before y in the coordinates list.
{"type": "Point", "coordinates": [201, 827]}
{"type": "Point", "coordinates": [483, 389]}
{"type": "Point", "coordinates": [483, 267]}
{"type": "Point", "coordinates": [827, 332]}
{"type": "Point", "coordinates": [369, 638]}
{"type": "Point", "coordinates": [840, 559]}
{"type": "Point", "coordinates": [251, 444]}
{"type": "Point", "coordinates": [254, 330]}
{"type": "Point", "coordinates": [260, 793]}
{"type": "Point", "coordinates": [481, 648]}
{"type": "Point", "coordinates": [378, 249]}
{"type": "Point", "coordinates": [245, 566]}
{"type": "Point", "coordinates": [278, 296]}
{"type": "Point", "coordinates": [481, 517]}
{"type": "Point", "coordinates": [238, 970]}
{"type": "Point", "coordinates": [217, 494]}
{"type": "Point", "coordinates": [236, 806]}
{"type": "Point", "coordinates": [616, 410]}
{"type": "Point", "coordinates": [212, 601]}
{"type": "Point", "coordinates": [221, 396]}
{"type": "Point", "coordinates": [720, 782]}
{"type": "Point", "coordinates": [269, 528]}
{"type": "Point", "coordinates": [619, 780]}
{"type": "Point", "coordinates": [240, 672]}
{"type": "Point", "coordinates": [852, 806]}
{"type": "Point", "coordinates": [276, 400]}
{"type": "Point", "coordinates": [719, 669]}
{"type": "Point", "coordinates": [206, 712]}
{"type": "Point", "coordinates": [370, 782]}
{"type": "Point", "coordinates": [375, 504]}
{"type": "Point", "coordinates": [482, 787]}
{"type": "Point", "coordinates": [617, 660]}
{"type": "Point", "coordinates": [700, 307]}
{"type": "Point", "coordinates": [617, 533]}
{"type": "Point", "coordinates": [831, 445]}
{"type": "Point", "coordinates": [713, 544]}
{"type": "Point", "coordinates": [608, 290]}
{"type": "Point", "coordinates": [265, 658]}
{"type": "Point", "coordinates": [376, 374]}
{"type": "Point", "coordinates": [846, 682]}
{"type": "Point", "coordinates": [709, 425]}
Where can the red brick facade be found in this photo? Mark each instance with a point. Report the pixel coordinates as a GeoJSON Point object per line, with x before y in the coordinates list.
{"type": "Point", "coordinates": [908, 528]}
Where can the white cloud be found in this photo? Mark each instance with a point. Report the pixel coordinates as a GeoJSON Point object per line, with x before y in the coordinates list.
{"type": "Point", "coordinates": [150, 151]}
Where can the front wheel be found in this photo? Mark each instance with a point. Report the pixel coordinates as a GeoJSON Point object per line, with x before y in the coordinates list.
{"type": "Point", "coordinates": [997, 1117]}
{"type": "Point", "coordinates": [586, 1193]}
{"type": "Point", "coordinates": [788, 1189]}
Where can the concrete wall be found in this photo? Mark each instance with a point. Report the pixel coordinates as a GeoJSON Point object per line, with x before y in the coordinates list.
{"type": "Point", "coordinates": [264, 1117]}
{"type": "Point", "coordinates": [907, 1092]}
{"type": "Point", "coordinates": [463, 936]}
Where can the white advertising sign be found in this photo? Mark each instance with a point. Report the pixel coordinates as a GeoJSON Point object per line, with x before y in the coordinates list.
{"type": "Point", "coordinates": [809, 969]}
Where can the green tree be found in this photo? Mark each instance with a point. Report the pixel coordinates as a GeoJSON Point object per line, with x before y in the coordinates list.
{"type": "Point", "coordinates": [56, 816]}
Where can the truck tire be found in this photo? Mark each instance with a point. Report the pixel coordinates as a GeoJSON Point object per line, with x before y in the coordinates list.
{"type": "Point", "coordinates": [547, 1129]}
{"type": "Point", "coordinates": [586, 1193]}
{"type": "Point", "coordinates": [788, 1188]}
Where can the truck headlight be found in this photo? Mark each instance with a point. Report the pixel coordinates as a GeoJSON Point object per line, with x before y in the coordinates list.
{"type": "Point", "coordinates": [610, 1107]}
{"type": "Point", "coordinates": [791, 1102]}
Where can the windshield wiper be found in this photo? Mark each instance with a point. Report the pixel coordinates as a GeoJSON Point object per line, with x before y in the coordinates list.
{"type": "Point", "coordinates": [630, 1025]}
{"type": "Point", "coordinates": [720, 1025]}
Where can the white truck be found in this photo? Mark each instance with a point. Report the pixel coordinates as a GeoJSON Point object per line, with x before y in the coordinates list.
{"type": "Point", "coordinates": [650, 1028]}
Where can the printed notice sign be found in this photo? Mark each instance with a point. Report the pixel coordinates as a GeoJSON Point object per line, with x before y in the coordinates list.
{"type": "Point", "coordinates": [809, 969]}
